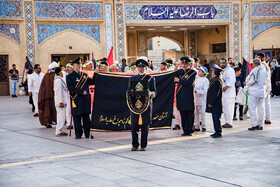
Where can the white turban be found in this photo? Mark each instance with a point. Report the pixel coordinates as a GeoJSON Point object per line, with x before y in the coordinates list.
{"type": "Point", "coordinates": [143, 58]}
{"type": "Point", "coordinates": [53, 65]}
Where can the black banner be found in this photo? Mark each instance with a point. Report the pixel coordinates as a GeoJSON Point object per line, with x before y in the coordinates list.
{"type": "Point", "coordinates": [110, 110]}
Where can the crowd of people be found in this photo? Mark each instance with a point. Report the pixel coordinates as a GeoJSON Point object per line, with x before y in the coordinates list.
{"type": "Point", "coordinates": [196, 93]}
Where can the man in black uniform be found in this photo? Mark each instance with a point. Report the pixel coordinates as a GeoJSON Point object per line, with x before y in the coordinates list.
{"type": "Point", "coordinates": [78, 86]}
{"type": "Point", "coordinates": [185, 78]}
{"type": "Point", "coordinates": [214, 100]}
{"type": "Point", "coordinates": [147, 115]}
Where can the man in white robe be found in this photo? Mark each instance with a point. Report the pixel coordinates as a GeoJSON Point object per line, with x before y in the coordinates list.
{"type": "Point", "coordinates": [60, 100]}
{"type": "Point", "coordinates": [256, 81]}
{"type": "Point", "coordinates": [34, 83]}
{"type": "Point", "coordinates": [261, 56]}
{"type": "Point", "coordinates": [229, 93]}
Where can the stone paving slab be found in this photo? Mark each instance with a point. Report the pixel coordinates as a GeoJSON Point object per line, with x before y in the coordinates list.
{"type": "Point", "coordinates": [240, 158]}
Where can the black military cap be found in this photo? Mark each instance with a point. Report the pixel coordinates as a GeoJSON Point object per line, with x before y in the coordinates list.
{"type": "Point", "coordinates": [104, 63]}
{"type": "Point", "coordinates": [77, 61]}
{"type": "Point", "coordinates": [169, 61]}
{"type": "Point", "coordinates": [141, 62]}
{"type": "Point", "coordinates": [57, 70]}
{"type": "Point", "coordinates": [163, 63]}
{"type": "Point", "coordinates": [185, 59]}
{"type": "Point", "coordinates": [216, 68]}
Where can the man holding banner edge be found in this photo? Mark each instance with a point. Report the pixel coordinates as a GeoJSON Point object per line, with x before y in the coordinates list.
{"type": "Point", "coordinates": [141, 91]}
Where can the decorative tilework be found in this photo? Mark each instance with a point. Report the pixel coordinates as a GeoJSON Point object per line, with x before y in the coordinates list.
{"type": "Point", "coordinates": [132, 13]}
{"type": "Point", "coordinates": [258, 28]}
{"type": "Point", "coordinates": [246, 31]}
{"type": "Point", "coordinates": [45, 31]}
{"type": "Point", "coordinates": [236, 27]}
{"type": "Point", "coordinates": [268, 10]}
{"type": "Point", "coordinates": [11, 30]}
{"type": "Point", "coordinates": [108, 25]}
{"type": "Point", "coordinates": [68, 10]}
{"type": "Point", "coordinates": [10, 9]}
{"type": "Point", "coordinates": [29, 28]}
{"type": "Point", "coordinates": [120, 32]}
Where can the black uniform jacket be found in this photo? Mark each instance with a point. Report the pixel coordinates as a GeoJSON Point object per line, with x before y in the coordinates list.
{"type": "Point", "coordinates": [214, 96]}
{"type": "Point", "coordinates": [83, 102]}
{"type": "Point", "coordinates": [147, 115]}
{"type": "Point", "coordinates": [185, 89]}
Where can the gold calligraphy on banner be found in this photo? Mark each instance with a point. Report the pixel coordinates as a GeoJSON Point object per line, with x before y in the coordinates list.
{"type": "Point", "coordinates": [115, 120]}
{"type": "Point", "coordinates": [125, 121]}
{"type": "Point", "coordinates": [160, 117]}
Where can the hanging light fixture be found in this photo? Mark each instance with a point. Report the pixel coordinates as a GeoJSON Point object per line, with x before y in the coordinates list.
{"type": "Point", "coordinates": [158, 43]}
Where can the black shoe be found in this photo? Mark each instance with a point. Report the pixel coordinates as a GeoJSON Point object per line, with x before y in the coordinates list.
{"type": "Point", "coordinates": [70, 127]}
{"type": "Point", "coordinates": [253, 128]}
{"type": "Point", "coordinates": [143, 149]}
{"type": "Point", "coordinates": [134, 148]}
{"type": "Point", "coordinates": [36, 115]}
{"type": "Point", "coordinates": [267, 122]}
{"type": "Point", "coordinates": [78, 137]}
{"type": "Point", "coordinates": [91, 137]}
{"type": "Point", "coordinates": [176, 127]}
{"type": "Point", "coordinates": [234, 119]}
{"type": "Point", "coordinates": [62, 134]}
{"type": "Point", "coordinates": [196, 129]}
{"type": "Point", "coordinates": [259, 128]}
{"type": "Point", "coordinates": [48, 126]}
{"type": "Point", "coordinates": [187, 134]}
{"type": "Point", "coordinates": [217, 136]}
{"type": "Point", "coordinates": [213, 134]}
{"type": "Point", "coordinates": [241, 118]}
{"type": "Point", "coordinates": [15, 95]}
{"type": "Point", "coordinates": [227, 125]}
{"type": "Point", "coordinates": [203, 130]}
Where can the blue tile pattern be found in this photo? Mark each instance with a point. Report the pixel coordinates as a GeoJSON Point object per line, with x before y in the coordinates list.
{"type": "Point", "coordinates": [140, 13]}
{"type": "Point", "coordinates": [120, 32]}
{"type": "Point", "coordinates": [236, 33]}
{"type": "Point", "coordinates": [11, 30]}
{"type": "Point", "coordinates": [268, 10]}
{"type": "Point", "coordinates": [29, 29]}
{"type": "Point", "coordinates": [258, 28]}
{"type": "Point", "coordinates": [10, 9]}
{"type": "Point", "coordinates": [47, 30]}
{"type": "Point", "coordinates": [68, 10]}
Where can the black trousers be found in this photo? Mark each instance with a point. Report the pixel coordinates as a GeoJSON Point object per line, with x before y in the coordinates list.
{"type": "Point", "coordinates": [217, 123]}
{"type": "Point", "coordinates": [135, 130]}
{"type": "Point", "coordinates": [240, 110]}
{"type": "Point", "coordinates": [187, 120]}
{"type": "Point", "coordinates": [78, 125]}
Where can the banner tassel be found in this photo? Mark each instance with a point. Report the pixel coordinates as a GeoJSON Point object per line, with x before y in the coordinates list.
{"type": "Point", "coordinates": [140, 122]}
{"type": "Point", "coordinates": [73, 104]}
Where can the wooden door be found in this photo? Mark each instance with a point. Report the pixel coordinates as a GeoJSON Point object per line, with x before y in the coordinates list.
{"type": "Point", "coordinates": [4, 78]}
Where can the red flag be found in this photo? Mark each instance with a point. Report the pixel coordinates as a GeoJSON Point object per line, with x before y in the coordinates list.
{"type": "Point", "coordinates": [249, 66]}
{"type": "Point", "coordinates": [110, 58]}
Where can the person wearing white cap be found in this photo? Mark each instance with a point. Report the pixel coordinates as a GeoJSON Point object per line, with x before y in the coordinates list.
{"type": "Point", "coordinates": [34, 83]}
{"type": "Point", "coordinates": [229, 94]}
{"type": "Point", "coordinates": [201, 86]}
{"type": "Point", "coordinates": [256, 81]}
{"type": "Point", "coordinates": [60, 98]}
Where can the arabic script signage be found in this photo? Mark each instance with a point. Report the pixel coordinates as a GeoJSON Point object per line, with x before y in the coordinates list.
{"type": "Point", "coordinates": [167, 12]}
